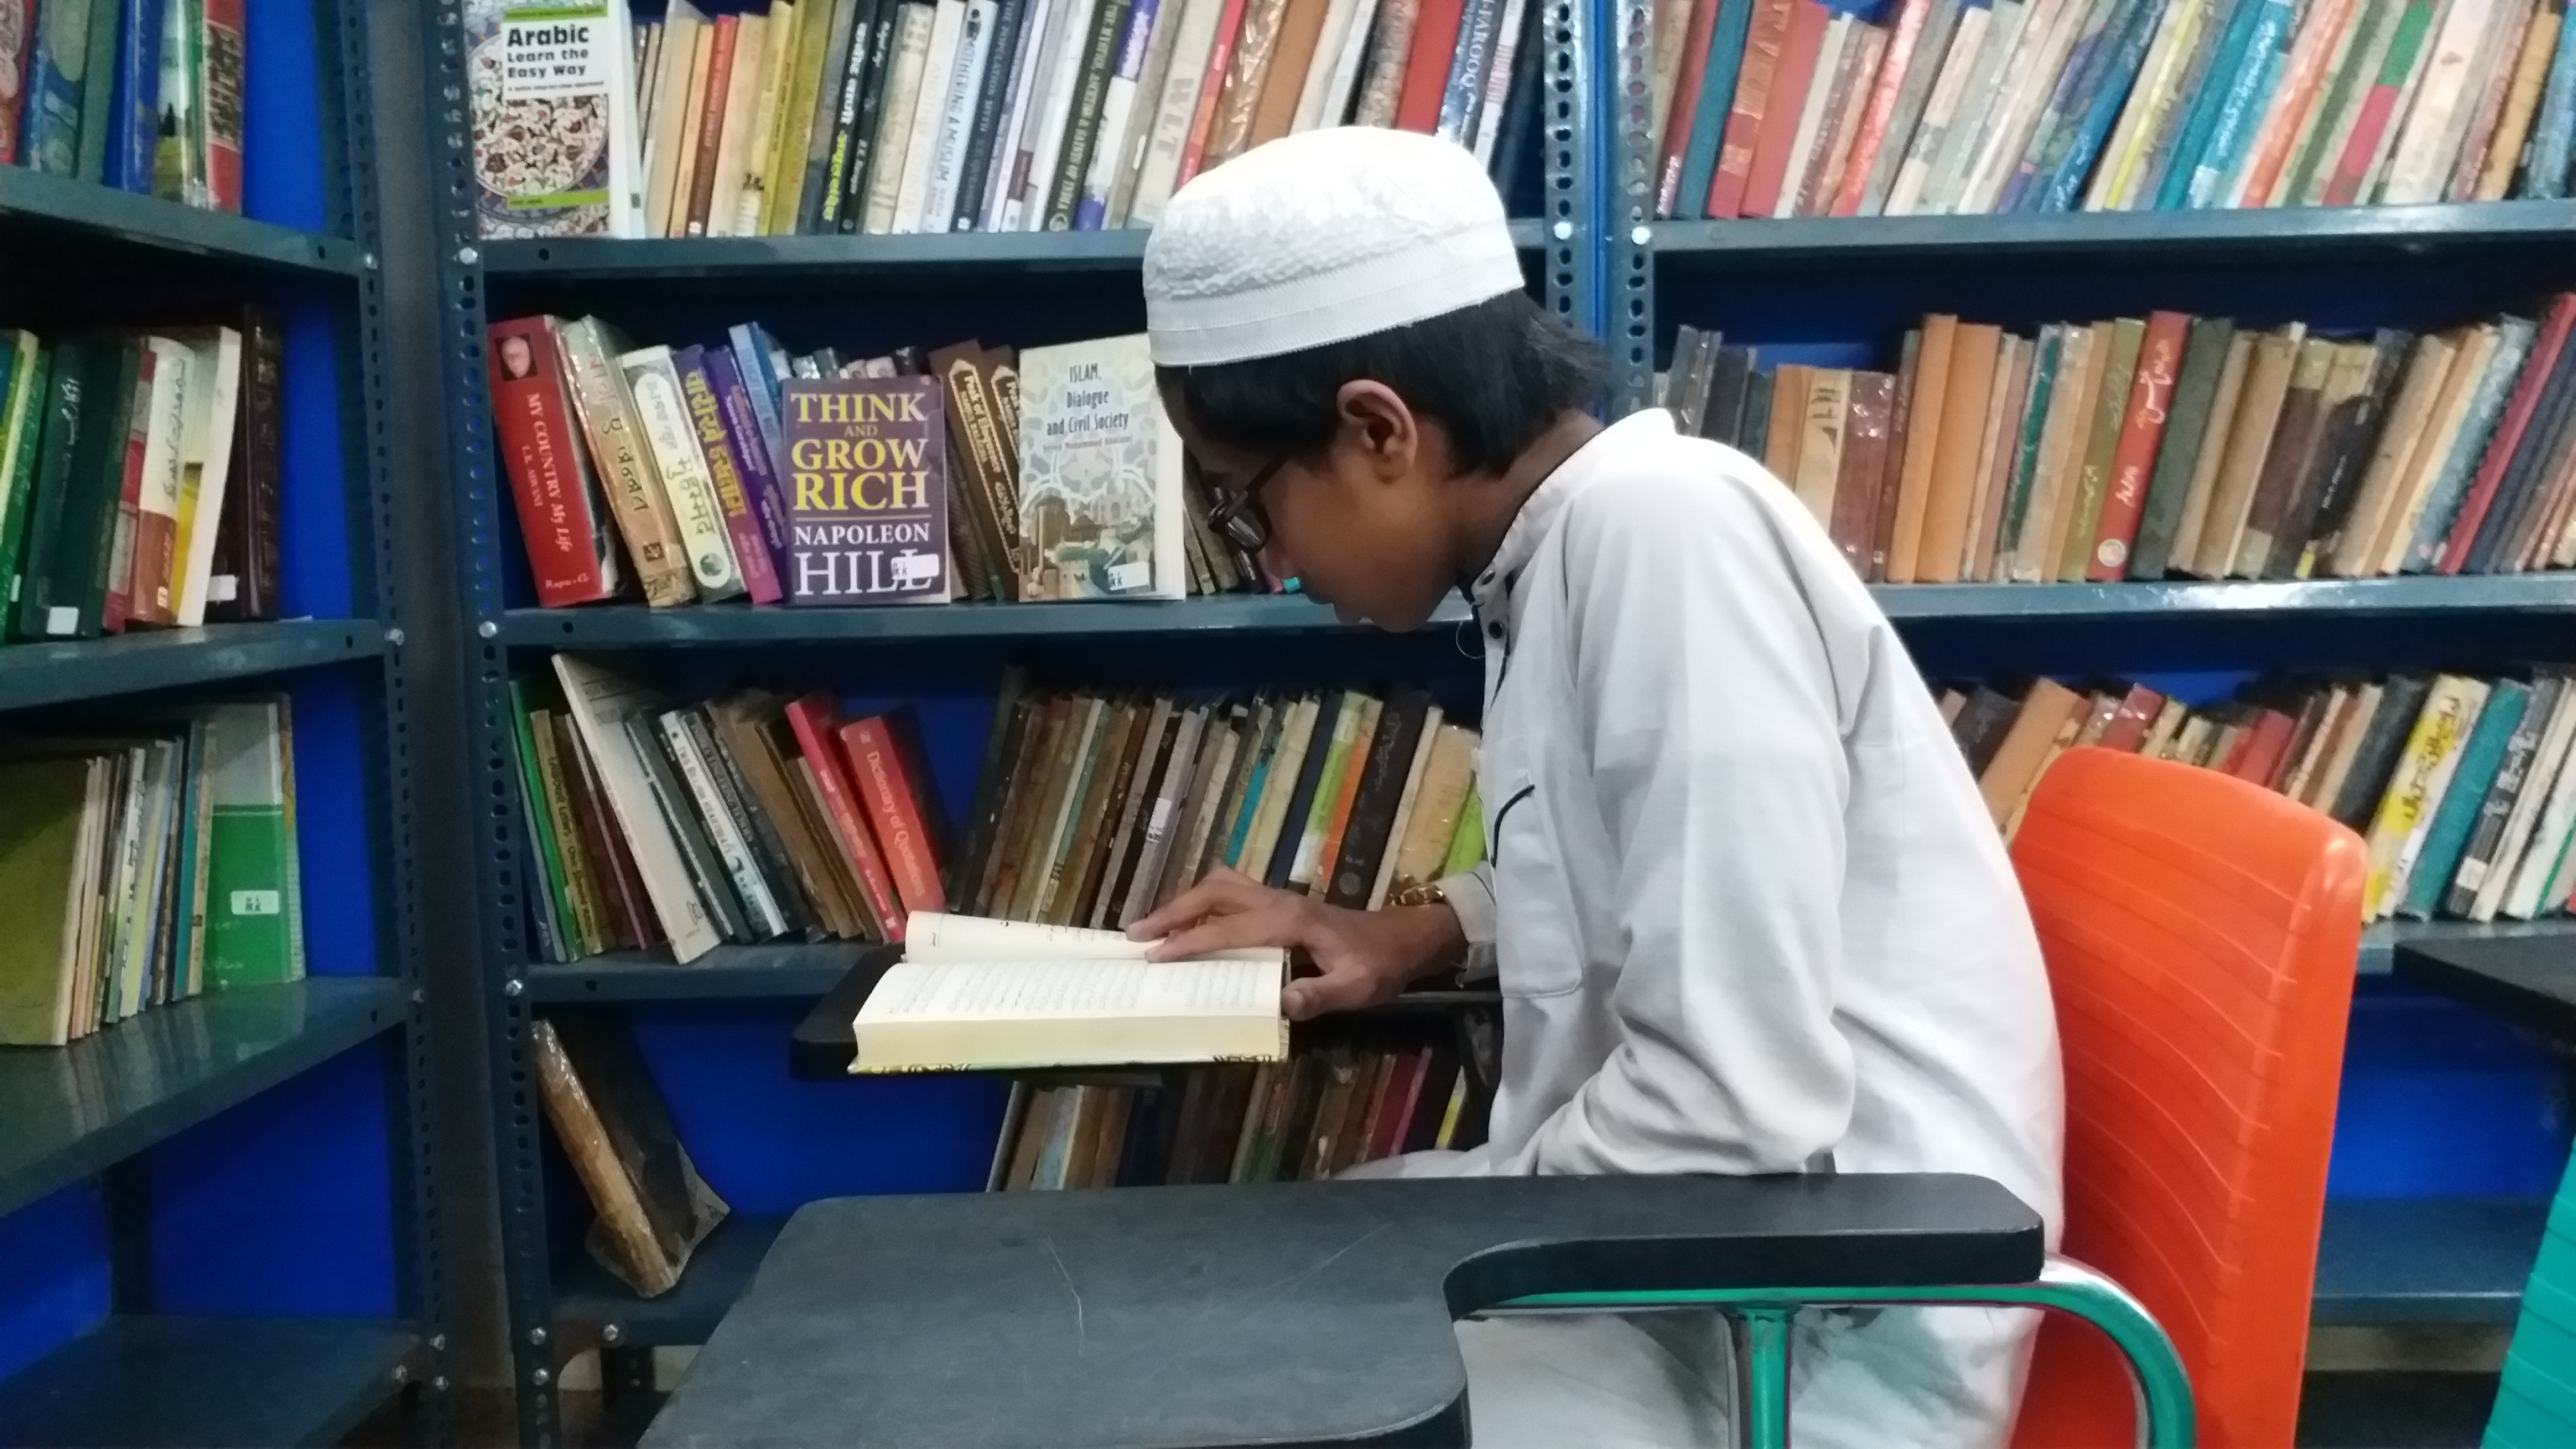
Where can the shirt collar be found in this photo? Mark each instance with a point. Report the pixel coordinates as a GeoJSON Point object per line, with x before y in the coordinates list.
{"type": "Point", "coordinates": [1492, 591]}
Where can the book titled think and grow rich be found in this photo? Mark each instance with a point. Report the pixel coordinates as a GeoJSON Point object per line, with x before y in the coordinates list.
{"type": "Point", "coordinates": [973, 994]}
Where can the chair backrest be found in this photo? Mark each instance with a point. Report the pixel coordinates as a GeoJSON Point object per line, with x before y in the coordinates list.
{"type": "Point", "coordinates": [2200, 934]}
{"type": "Point", "coordinates": [2535, 1405]}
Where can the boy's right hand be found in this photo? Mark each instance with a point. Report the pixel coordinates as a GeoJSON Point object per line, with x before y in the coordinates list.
{"type": "Point", "coordinates": [1361, 957]}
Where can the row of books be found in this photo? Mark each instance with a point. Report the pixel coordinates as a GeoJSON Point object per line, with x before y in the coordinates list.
{"type": "Point", "coordinates": [1094, 808]}
{"type": "Point", "coordinates": [139, 478]}
{"type": "Point", "coordinates": [745, 819]}
{"type": "Point", "coordinates": [142, 95]}
{"type": "Point", "coordinates": [2140, 447]}
{"type": "Point", "coordinates": [2462, 786]}
{"type": "Point", "coordinates": [1327, 1108]}
{"type": "Point", "coordinates": [741, 470]}
{"type": "Point", "coordinates": [1771, 108]}
{"type": "Point", "coordinates": [145, 863]}
{"type": "Point", "coordinates": [903, 116]}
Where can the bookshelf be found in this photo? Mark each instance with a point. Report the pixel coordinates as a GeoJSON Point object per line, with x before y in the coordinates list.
{"type": "Point", "coordinates": [218, 1217]}
{"type": "Point", "coordinates": [715, 1032]}
{"type": "Point", "coordinates": [2436, 1209]}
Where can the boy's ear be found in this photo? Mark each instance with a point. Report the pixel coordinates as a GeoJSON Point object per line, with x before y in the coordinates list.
{"type": "Point", "coordinates": [1378, 425]}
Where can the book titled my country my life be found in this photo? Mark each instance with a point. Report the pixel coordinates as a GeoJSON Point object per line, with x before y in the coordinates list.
{"type": "Point", "coordinates": [867, 483]}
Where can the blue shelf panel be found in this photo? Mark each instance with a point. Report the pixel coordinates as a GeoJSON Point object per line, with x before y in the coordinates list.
{"type": "Point", "coordinates": [709, 257]}
{"type": "Point", "coordinates": [136, 1382]}
{"type": "Point", "coordinates": [2426, 1260]}
{"type": "Point", "coordinates": [74, 1111]}
{"type": "Point", "coordinates": [137, 663]}
{"type": "Point", "coordinates": [33, 201]}
{"type": "Point", "coordinates": [2379, 943]}
{"type": "Point", "coordinates": [1825, 243]}
{"type": "Point", "coordinates": [631, 626]}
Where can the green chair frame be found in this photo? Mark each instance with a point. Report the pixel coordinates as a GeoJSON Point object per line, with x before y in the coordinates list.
{"type": "Point", "coordinates": [1760, 1320]}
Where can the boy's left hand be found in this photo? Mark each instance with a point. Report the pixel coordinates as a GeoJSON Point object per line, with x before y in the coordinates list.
{"type": "Point", "coordinates": [1361, 958]}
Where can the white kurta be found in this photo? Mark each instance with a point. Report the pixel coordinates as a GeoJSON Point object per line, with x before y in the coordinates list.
{"type": "Point", "coordinates": [1748, 915]}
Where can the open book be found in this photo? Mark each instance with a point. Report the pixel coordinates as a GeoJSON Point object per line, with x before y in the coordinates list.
{"type": "Point", "coordinates": [975, 994]}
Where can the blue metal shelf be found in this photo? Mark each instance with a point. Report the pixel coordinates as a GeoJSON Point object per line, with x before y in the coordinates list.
{"type": "Point", "coordinates": [34, 674]}
{"type": "Point", "coordinates": [2425, 1260]}
{"type": "Point", "coordinates": [589, 1299]}
{"type": "Point", "coordinates": [73, 1111]}
{"type": "Point", "coordinates": [136, 1382]}
{"type": "Point", "coordinates": [709, 257]}
{"type": "Point", "coordinates": [34, 201]}
{"type": "Point", "coordinates": [1826, 243]}
{"type": "Point", "coordinates": [801, 970]}
{"type": "Point", "coordinates": [630, 626]}
{"type": "Point", "coordinates": [2379, 943]}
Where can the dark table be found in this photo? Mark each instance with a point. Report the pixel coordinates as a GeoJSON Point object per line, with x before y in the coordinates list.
{"type": "Point", "coordinates": [2528, 980]}
{"type": "Point", "coordinates": [1279, 1314]}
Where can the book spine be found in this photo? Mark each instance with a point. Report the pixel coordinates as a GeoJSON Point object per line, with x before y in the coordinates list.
{"type": "Point", "coordinates": [1082, 130]}
{"type": "Point", "coordinates": [2432, 525]}
{"type": "Point", "coordinates": [2537, 374]}
{"type": "Point", "coordinates": [1752, 101]}
{"type": "Point", "coordinates": [137, 114]}
{"type": "Point", "coordinates": [759, 568]}
{"type": "Point", "coordinates": [745, 442]}
{"type": "Point", "coordinates": [1730, 23]}
{"type": "Point", "coordinates": [1465, 87]}
{"type": "Point", "coordinates": [663, 413]}
{"type": "Point", "coordinates": [991, 100]}
{"type": "Point", "coordinates": [873, 111]}
{"type": "Point", "coordinates": [2500, 149]}
{"type": "Point", "coordinates": [2378, 107]}
{"type": "Point", "coordinates": [2150, 395]}
{"type": "Point", "coordinates": [1117, 106]}
{"type": "Point", "coordinates": [1383, 81]}
{"type": "Point", "coordinates": [894, 812]}
{"type": "Point", "coordinates": [546, 465]}
{"type": "Point", "coordinates": [609, 425]}
{"type": "Point", "coordinates": [1202, 132]}
{"type": "Point", "coordinates": [1054, 115]}
{"type": "Point", "coordinates": [2240, 109]}
{"type": "Point", "coordinates": [153, 581]}
{"type": "Point", "coordinates": [116, 576]}
{"type": "Point", "coordinates": [49, 134]}
{"type": "Point", "coordinates": [2544, 166]}
{"type": "Point", "coordinates": [836, 103]}
{"type": "Point", "coordinates": [2086, 139]}
{"type": "Point", "coordinates": [1435, 42]}
{"type": "Point", "coordinates": [709, 126]}
{"type": "Point", "coordinates": [2520, 769]}
{"type": "Point", "coordinates": [811, 720]}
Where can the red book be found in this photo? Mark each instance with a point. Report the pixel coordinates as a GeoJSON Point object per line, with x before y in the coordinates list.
{"type": "Point", "coordinates": [2509, 429]}
{"type": "Point", "coordinates": [1677, 131]}
{"type": "Point", "coordinates": [2134, 457]}
{"type": "Point", "coordinates": [1426, 66]}
{"type": "Point", "coordinates": [710, 132]}
{"type": "Point", "coordinates": [2260, 750]}
{"type": "Point", "coordinates": [1789, 82]}
{"type": "Point", "coordinates": [227, 61]}
{"type": "Point", "coordinates": [1229, 24]}
{"type": "Point", "coordinates": [1883, 95]}
{"type": "Point", "coordinates": [2136, 715]}
{"type": "Point", "coordinates": [895, 812]}
{"type": "Point", "coordinates": [549, 469]}
{"type": "Point", "coordinates": [129, 499]}
{"type": "Point", "coordinates": [18, 22]}
{"type": "Point", "coordinates": [815, 719]}
{"type": "Point", "coordinates": [1753, 77]}
{"type": "Point", "coordinates": [1404, 1089]}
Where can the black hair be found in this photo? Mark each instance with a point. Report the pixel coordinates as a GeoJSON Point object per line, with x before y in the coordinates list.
{"type": "Point", "coordinates": [1495, 375]}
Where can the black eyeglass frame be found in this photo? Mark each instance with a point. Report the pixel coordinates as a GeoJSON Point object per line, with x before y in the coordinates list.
{"type": "Point", "coordinates": [1238, 514]}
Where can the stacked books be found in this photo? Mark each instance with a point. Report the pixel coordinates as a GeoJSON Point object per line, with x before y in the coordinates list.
{"type": "Point", "coordinates": [1096, 808]}
{"type": "Point", "coordinates": [142, 95]}
{"type": "Point", "coordinates": [1375, 1090]}
{"type": "Point", "coordinates": [747, 819]}
{"type": "Point", "coordinates": [139, 477]}
{"type": "Point", "coordinates": [2139, 448]}
{"type": "Point", "coordinates": [142, 864]}
{"type": "Point", "coordinates": [2462, 786]}
{"type": "Point", "coordinates": [741, 470]}
{"type": "Point", "coordinates": [901, 116]}
{"type": "Point", "coordinates": [1916, 107]}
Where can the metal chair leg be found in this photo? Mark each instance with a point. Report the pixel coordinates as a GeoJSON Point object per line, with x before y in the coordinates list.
{"type": "Point", "coordinates": [2156, 1373]}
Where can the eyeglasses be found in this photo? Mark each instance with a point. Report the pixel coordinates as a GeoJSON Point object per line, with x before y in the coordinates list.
{"type": "Point", "coordinates": [1238, 514]}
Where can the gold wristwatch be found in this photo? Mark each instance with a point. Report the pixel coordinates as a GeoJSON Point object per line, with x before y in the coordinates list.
{"type": "Point", "coordinates": [1427, 893]}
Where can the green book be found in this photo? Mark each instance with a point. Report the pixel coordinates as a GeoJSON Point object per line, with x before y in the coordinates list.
{"type": "Point", "coordinates": [2354, 66]}
{"type": "Point", "coordinates": [2043, 382]}
{"type": "Point", "coordinates": [40, 869]}
{"type": "Point", "coordinates": [1467, 846]}
{"type": "Point", "coordinates": [254, 916]}
{"type": "Point", "coordinates": [2110, 415]}
{"type": "Point", "coordinates": [22, 427]}
{"type": "Point", "coordinates": [63, 580]}
{"type": "Point", "coordinates": [188, 948]}
{"type": "Point", "coordinates": [98, 95]}
{"type": "Point", "coordinates": [541, 825]}
{"type": "Point", "coordinates": [1328, 790]}
{"type": "Point", "coordinates": [2204, 359]}
{"type": "Point", "coordinates": [53, 437]}
{"type": "Point", "coordinates": [2448, 836]}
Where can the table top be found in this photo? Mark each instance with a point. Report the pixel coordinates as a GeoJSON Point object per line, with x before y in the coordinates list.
{"type": "Point", "coordinates": [1282, 1313]}
{"type": "Point", "coordinates": [2528, 980]}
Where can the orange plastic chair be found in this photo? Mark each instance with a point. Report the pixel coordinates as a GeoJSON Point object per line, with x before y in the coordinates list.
{"type": "Point", "coordinates": [2200, 936]}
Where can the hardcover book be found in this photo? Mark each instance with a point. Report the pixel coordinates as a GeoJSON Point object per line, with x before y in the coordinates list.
{"type": "Point", "coordinates": [1100, 476]}
{"type": "Point", "coordinates": [867, 483]}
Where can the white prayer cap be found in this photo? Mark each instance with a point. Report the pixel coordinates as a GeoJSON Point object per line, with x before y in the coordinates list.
{"type": "Point", "coordinates": [1321, 237]}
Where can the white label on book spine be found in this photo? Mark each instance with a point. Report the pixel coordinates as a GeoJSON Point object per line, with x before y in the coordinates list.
{"type": "Point", "coordinates": [257, 903]}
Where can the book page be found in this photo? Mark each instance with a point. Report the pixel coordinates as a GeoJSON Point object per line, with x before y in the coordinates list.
{"type": "Point", "coordinates": [920, 990]}
{"type": "Point", "coordinates": [938, 936]}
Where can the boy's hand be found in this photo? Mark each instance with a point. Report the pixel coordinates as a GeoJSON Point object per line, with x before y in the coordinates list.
{"type": "Point", "coordinates": [1361, 957]}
